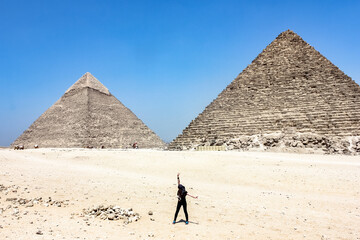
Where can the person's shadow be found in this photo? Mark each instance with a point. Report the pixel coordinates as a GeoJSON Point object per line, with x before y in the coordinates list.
{"type": "Point", "coordinates": [183, 221]}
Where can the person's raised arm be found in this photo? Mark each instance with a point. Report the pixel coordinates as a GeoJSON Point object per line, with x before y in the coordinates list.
{"type": "Point", "coordinates": [178, 178]}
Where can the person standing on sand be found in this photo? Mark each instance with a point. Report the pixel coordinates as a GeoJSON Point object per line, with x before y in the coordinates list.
{"type": "Point", "coordinates": [181, 194]}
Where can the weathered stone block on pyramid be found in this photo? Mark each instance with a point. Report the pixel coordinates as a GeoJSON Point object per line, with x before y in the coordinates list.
{"type": "Point", "coordinates": [88, 115]}
{"type": "Point", "coordinates": [290, 98]}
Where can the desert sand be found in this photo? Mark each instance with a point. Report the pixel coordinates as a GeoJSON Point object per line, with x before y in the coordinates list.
{"type": "Point", "coordinates": [242, 195]}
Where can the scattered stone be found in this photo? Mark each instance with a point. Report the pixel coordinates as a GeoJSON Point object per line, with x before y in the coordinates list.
{"type": "Point", "coordinates": [39, 232]}
{"type": "Point", "coordinates": [2, 188]}
{"type": "Point", "coordinates": [152, 219]}
{"type": "Point", "coordinates": [30, 202]}
{"type": "Point", "coordinates": [150, 213]}
{"type": "Point", "coordinates": [11, 199]}
{"type": "Point", "coordinates": [16, 211]}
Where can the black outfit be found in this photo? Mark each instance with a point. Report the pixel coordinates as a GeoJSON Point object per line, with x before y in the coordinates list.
{"type": "Point", "coordinates": [182, 202]}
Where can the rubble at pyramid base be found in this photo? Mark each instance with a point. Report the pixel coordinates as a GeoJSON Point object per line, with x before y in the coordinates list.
{"type": "Point", "coordinates": [298, 142]}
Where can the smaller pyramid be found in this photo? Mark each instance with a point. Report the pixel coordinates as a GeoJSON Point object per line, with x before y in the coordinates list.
{"type": "Point", "coordinates": [88, 115]}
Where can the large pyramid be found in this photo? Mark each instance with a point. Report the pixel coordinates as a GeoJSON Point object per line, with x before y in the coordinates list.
{"type": "Point", "coordinates": [290, 97]}
{"type": "Point", "coordinates": [88, 115]}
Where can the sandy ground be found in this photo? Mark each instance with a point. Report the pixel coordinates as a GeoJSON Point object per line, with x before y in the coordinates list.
{"type": "Point", "coordinates": [242, 195]}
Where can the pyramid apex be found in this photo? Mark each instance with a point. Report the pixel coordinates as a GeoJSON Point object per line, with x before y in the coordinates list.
{"type": "Point", "coordinates": [89, 81]}
{"type": "Point", "coordinates": [289, 31]}
{"type": "Point", "coordinates": [288, 34]}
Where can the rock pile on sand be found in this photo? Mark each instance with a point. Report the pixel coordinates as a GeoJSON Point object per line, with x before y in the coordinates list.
{"type": "Point", "coordinates": [111, 213]}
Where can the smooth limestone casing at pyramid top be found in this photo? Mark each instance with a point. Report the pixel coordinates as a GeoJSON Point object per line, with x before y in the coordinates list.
{"type": "Point", "coordinates": [290, 98]}
{"type": "Point", "coordinates": [87, 115]}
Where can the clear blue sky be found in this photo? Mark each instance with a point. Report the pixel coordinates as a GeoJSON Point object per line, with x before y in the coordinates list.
{"type": "Point", "coordinates": [165, 60]}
